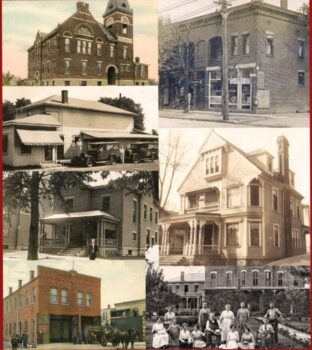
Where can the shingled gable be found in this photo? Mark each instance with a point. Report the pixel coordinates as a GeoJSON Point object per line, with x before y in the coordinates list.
{"type": "Point", "coordinates": [77, 103]}
{"type": "Point", "coordinates": [195, 174]}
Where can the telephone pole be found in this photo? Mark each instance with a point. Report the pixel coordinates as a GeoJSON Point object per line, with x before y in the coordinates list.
{"type": "Point", "coordinates": [224, 4]}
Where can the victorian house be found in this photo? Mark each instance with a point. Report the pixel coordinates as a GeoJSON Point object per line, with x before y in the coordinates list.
{"type": "Point", "coordinates": [235, 208]}
{"type": "Point", "coordinates": [83, 51]}
{"type": "Point", "coordinates": [267, 53]}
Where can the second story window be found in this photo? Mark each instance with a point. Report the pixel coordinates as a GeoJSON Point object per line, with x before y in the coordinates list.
{"type": "Point", "coordinates": [64, 295]}
{"type": "Point", "coordinates": [53, 296]}
{"type": "Point", "coordinates": [267, 278]}
{"type": "Point", "coordinates": [276, 236]}
{"type": "Point", "coordinates": [280, 279]}
{"type": "Point", "coordinates": [67, 45]}
{"type": "Point", "coordinates": [255, 278]}
{"type": "Point", "coordinates": [186, 288]}
{"type": "Point", "coordinates": [234, 45]}
{"type": "Point", "coordinates": [246, 44]}
{"type": "Point", "coordinates": [228, 279]}
{"type": "Point", "coordinates": [244, 277]}
{"type": "Point", "coordinates": [254, 194]}
{"type": "Point", "coordinates": [79, 298]}
{"type": "Point", "coordinates": [78, 46]}
{"type": "Point", "coordinates": [99, 49]}
{"type": "Point", "coordinates": [274, 199]}
{"type": "Point", "coordinates": [213, 163]}
{"type": "Point", "coordinates": [254, 233]}
{"type": "Point", "coordinates": [89, 299]}
{"type": "Point", "coordinates": [301, 49]}
{"type": "Point", "coordinates": [106, 203]}
{"type": "Point", "coordinates": [233, 197]}
{"type": "Point", "coordinates": [269, 44]}
{"type": "Point", "coordinates": [232, 234]}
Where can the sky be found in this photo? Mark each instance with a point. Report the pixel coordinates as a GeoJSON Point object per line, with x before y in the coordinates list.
{"type": "Point", "coordinates": [147, 96]}
{"type": "Point", "coordinates": [122, 280]}
{"type": "Point", "coordinates": [22, 20]}
{"type": "Point", "coordinates": [249, 139]}
{"type": "Point", "coordinates": [183, 9]}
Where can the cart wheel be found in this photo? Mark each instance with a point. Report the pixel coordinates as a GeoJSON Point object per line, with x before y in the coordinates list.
{"type": "Point", "coordinates": [113, 160]}
{"type": "Point", "coordinates": [135, 158]}
{"type": "Point", "coordinates": [89, 162]}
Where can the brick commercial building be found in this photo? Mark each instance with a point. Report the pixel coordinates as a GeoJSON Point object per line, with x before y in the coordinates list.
{"type": "Point", "coordinates": [235, 208]}
{"type": "Point", "coordinates": [253, 283]}
{"type": "Point", "coordinates": [268, 58]}
{"type": "Point", "coordinates": [54, 306]}
{"type": "Point", "coordinates": [82, 51]}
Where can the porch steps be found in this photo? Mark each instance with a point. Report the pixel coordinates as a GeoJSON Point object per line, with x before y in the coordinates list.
{"type": "Point", "coordinates": [79, 251]}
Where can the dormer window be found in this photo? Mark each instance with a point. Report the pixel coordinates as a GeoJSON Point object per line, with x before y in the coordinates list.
{"type": "Point", "coordinates": [213, 163]}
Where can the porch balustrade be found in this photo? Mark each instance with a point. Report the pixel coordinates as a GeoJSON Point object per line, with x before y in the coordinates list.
{"type": "Point", "coordinates": [208, 208]}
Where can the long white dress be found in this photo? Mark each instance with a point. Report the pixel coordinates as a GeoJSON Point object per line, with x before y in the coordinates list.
{"type": "Point", "coordinates": [160, 336]}
{"type": "Point", "coordinates": [226, 320]}
{"type": "Point", "coordinates": [232, 341]}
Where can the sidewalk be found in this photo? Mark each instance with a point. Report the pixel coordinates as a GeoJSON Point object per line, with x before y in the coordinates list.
{"type": "Point", "coordinates": [171, 116]}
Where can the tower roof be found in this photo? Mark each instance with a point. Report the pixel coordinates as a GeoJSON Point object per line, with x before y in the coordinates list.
{"type": "Point", "coordinates": [118, 5]}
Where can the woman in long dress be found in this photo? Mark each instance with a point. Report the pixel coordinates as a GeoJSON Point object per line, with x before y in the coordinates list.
{"type": "Point", "coordinates": [174, 333]}
{"type": "Point", "coordinates": [160, 335]}
{"type": "Point", "coordinates": [247, 340]}
{"type": "Point", "coordinates": [198, 338]}
{"type": "Point", "coordinates": [185, 339]}
{"type": "Point", "coordinates": [232, 339]}
{"type": "Point", "coordinates": [226, 320]}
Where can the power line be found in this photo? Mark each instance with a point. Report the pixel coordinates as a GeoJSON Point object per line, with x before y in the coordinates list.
{"type": "Point", "coordinates": [179, 4]}
{"type": "Point", "coordinates": [194, 13]}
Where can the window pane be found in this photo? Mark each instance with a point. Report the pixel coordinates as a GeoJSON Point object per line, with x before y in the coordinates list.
{"type": "Point", "coordinates": [255, 233]}
{"type": "Point", "coordinates": [232, 234]}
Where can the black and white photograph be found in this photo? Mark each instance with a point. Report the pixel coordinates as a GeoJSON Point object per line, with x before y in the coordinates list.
{"type": "Point", "coordinates": [72, 129]}
{"type": "Point", "coordinates": [86, 215]}
{"type": "Point", "coordinates": [234, 199]}
{"type": "Point", "coordinates": [239, 63]}
{"type": "Point", "coordinates": [228, 307]}
{"type": "Point", "coordinates": [82, 305]}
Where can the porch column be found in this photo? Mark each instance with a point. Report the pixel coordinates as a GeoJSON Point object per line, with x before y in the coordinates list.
{"type": "Point", "coordinates": [167, 241]}
{"type": "Point", "coordinates": [190, 250]}
{"type": "Point", "coordinates": [103, 239]}
{"type": "Point", "coordinates": [195, 237]}
{"type": "Point", "coordinates": [67, 236]}
{"type": "Point", "coordinates": [200, 238]}
{"type": "Point", "coordinates": [98, 232]}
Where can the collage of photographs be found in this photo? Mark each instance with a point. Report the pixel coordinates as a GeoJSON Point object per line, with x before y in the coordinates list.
{"type": "Point", "coordinates": [156, 174]}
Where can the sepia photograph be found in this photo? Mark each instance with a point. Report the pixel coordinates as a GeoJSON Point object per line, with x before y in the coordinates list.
{"type": "Point", "coordinates": [228, 307]}
{"type": "Point", "coordinates": [80, 43]}
{"type": "Point", "coordinates": [240, 63]}
{"type": "Point", "coordinates": [234, 199]}
{"type": "Point", "coordinates": [84, 215]}
{"type": "Point", "coordinates": [74, 305]}
{"type": "Point", "coordinates": [73, 129]}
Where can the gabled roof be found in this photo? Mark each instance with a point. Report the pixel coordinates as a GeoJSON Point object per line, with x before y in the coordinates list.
{"type": "Point", "coordinates": [77, 103]}
{"type": "Point", "coordinates": [34, 120]}
{"type": "Point", "coordinates": [118, 5]}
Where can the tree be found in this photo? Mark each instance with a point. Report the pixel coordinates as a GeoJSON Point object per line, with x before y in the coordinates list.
{"type": "Point", "coordinates": [23, 190]}
{"type": "Point", "coordinates": [129, 105]}
{"type": "Point", "coordinates": [158, 294]}
{"type": "Point", "coordinates": [141, 183]}
{"type": "Point", "coordinates": [9, 108]}
{"type": "Point", "coordinates": [172, 159]}
{"type": "Point", "coordinates": [305, 8]}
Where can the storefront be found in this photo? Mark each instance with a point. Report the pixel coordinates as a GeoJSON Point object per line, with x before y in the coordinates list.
{"type": "Point", "coordinates": [240, 87]}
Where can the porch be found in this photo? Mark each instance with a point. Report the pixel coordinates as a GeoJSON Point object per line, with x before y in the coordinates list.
{"type": "Point", "coordinates": [74, 231]}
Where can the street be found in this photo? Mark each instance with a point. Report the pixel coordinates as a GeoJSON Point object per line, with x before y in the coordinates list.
{"type": "Point", "coordinates": [69, 346]}
{"type": "Point", "coordinates": [148, 166]}
{"type": "Point", "coordinates": [198, 119]}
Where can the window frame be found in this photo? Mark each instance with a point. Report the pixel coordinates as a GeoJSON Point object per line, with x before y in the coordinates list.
{"type": "Point", "coordinates": [246, 43]}
{"type": "Point", "coordinates": [54, 297]}
{"type": "Point", "coordinates": [259, 223]}
{"type": "Point", "coordinates": [237, 244]}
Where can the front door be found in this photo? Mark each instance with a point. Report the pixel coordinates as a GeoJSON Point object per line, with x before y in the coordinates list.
{"type": "Point", "coordinates": [60, 329]}
{"type": "Point", "coordinates": [111, 76]}
{"type": "Point", "coordinates": [176, 242]}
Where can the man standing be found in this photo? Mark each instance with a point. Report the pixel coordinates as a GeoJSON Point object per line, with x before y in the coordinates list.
{"type": "Point", "coordinates": [203, 317]}
{"type": "Point", "coordinates": [242, 318]}
{"type": "Point", "coordinates": [93, 250]}
{"type": "Point", "coordinates": [273, 315]}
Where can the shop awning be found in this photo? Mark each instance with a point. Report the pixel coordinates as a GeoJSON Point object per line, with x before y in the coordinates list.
{"type": "Point", "coordinates": [118, 135]}
{"type": "Point", "coordinates": [78, 215]}
{"type": "Point", "coordinates": [39, 138]}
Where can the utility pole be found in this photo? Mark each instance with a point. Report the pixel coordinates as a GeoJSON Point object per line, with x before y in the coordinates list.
{"type": "Point", "coordinates": [225, 69]}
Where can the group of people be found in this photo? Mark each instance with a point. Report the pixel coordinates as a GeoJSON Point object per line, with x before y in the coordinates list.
{"type": "Point", "coordinates": [19, 340]}
{"type": "Point", "coordinates": [225, 331]}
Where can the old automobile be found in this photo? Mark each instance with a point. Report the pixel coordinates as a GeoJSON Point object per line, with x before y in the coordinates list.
{"type": "Point", "coordinates": [98, 153]}
{"type": "Point", "coordinates": [141, 152]}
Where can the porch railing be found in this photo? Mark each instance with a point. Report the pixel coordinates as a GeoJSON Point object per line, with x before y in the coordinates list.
{"type": "Point", "coordinates": [53, 242]}
{"type": "Point", "coordinates": [213, 207]}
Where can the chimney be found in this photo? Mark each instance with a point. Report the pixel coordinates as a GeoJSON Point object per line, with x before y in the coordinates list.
{"type": "Point", "coordinates": [64, 96]}
{"type": "Point", "coordinates": [31, 275]}
{"type": "Point", "coordinates": [283, 158]}
{"type": "Point", "coordinates": [137, 60]}
{"type": "Point", "coordinates": [82, 6]}
{"type": "Point", "coordinates": [182, 276]}
{"type": "Point", "coordinates": [20, 283]}
{"type": "Point", "coordinates": [10, 290]}
{"type": "Point", "coordinates": [284, 4]}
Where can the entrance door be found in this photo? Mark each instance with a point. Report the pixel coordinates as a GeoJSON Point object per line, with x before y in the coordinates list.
{"type": "Point", "coordinates": [210, 238]}
{"type": "Point", "coordinates": [111, 76]}
{"type": "Point", "coordinates": [176, 242]}
{"type": "Point", "coordinates": [60, 329]}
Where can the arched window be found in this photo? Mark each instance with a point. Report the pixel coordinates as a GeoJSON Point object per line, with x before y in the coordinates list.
{"type": "Point", "coordinates": [84, 30]}
{"type": "Point", "coordinates": [255, 277]}
{"type": "Point", "coordinates": [244, 278]}
{"type": "Point", "coordinates": [124, 25]}
{"type": "Point", "coordinates": [67, 45]}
